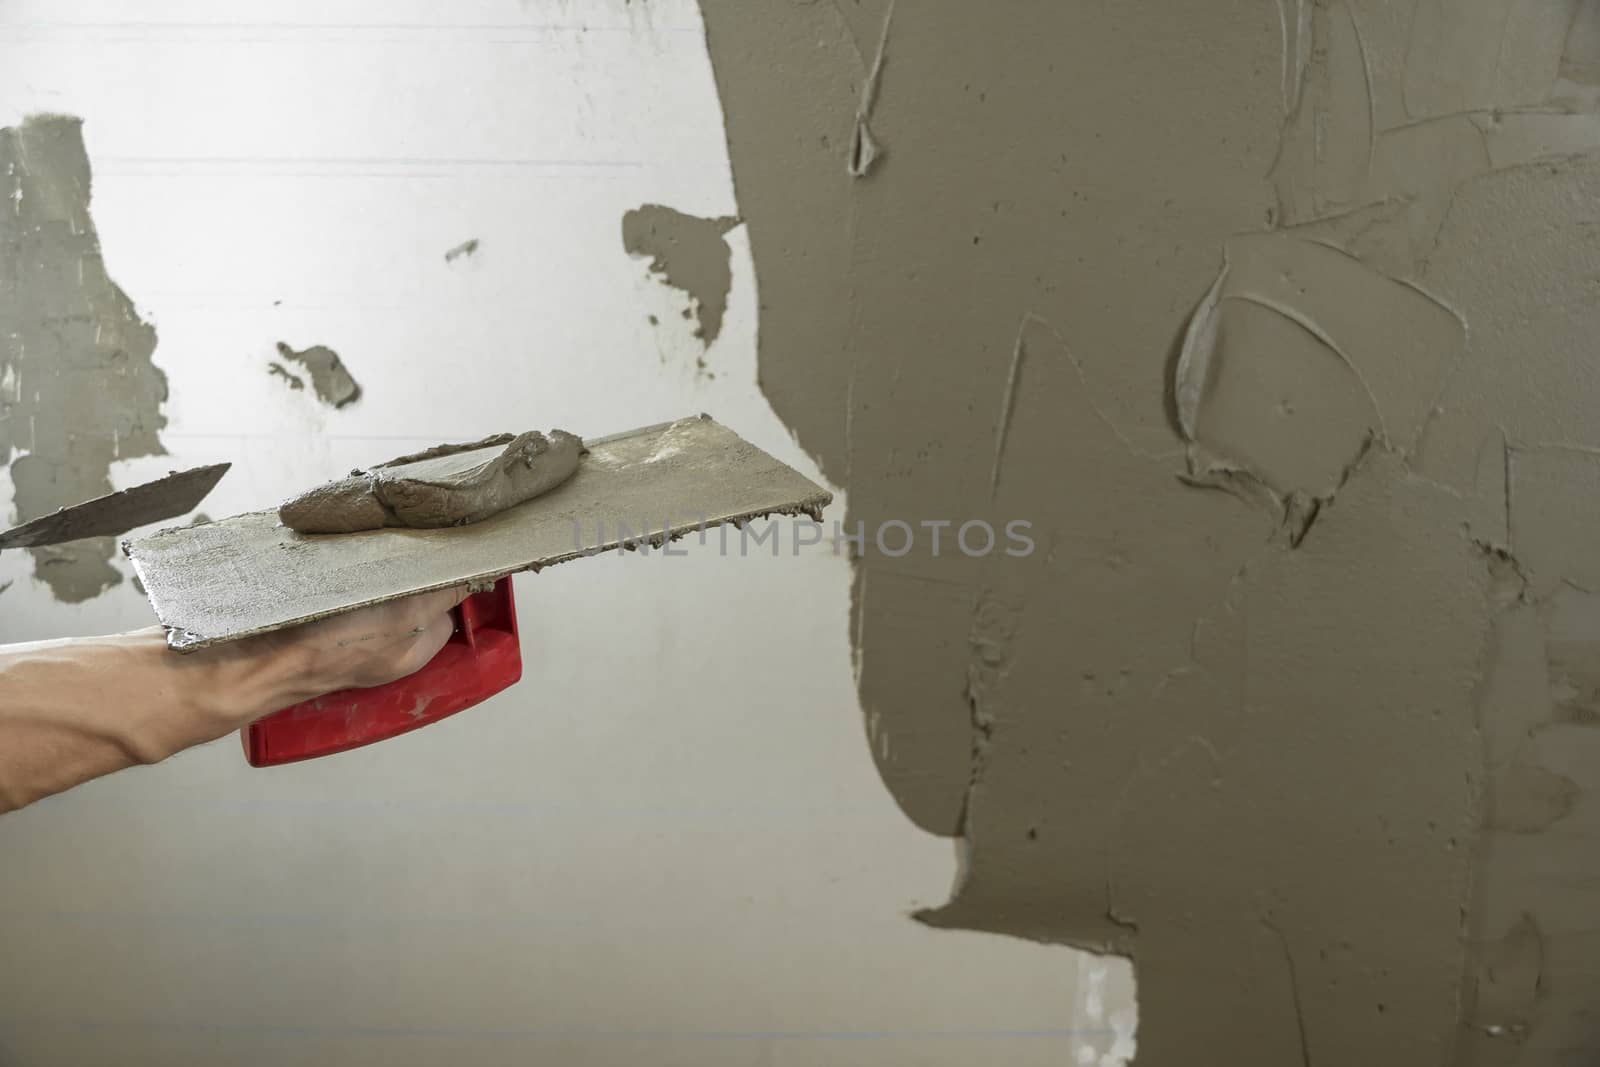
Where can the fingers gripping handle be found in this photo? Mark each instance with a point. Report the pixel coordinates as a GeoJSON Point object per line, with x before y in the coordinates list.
{"type": "Point", "coordinates": [481, 658]}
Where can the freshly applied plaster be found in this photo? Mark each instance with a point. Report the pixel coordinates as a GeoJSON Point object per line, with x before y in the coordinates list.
{"type": "Point", "coordinates": [78, 387]}
{"type": "Point", "coordinates": [447, 485]}
{"type": "Point", "coordinates": [332, 381]}
{"type": "Point", "coordinates": [689, 253]}
{"type": "Point", "coordinates": [1318, 752]}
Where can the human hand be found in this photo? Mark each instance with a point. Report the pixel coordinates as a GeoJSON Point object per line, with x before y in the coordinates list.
{"type": "Point", "coordinates": [353, 650]}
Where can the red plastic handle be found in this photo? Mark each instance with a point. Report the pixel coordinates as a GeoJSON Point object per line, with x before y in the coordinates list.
{"type": "Point", "coordinates": [482, 657]}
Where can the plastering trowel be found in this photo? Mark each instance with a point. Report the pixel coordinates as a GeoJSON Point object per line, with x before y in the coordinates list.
{"type": "Point", "coordinates": [248, 575]}
{"type": "Point", "coordinates": [116, 513]}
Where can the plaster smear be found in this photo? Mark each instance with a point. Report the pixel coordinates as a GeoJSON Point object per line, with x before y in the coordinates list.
{"type": "Point", "coordinates": [688, 253]}
{"type": "Point", "coordinates": [1328, 135]}
{"type": "Point", "coordinates": [332, 381]}
{"type": "Point", "coordinates": [1484, 55]}
{"type": "Point", "coordinates": [1312, 751]}
{"type": "Point", "coordinates": [1300, 355]}
{"type": "Point", "coordinates": [288, 377]}
{"type": "Point", "coordinates": [78, 388]}
{"type": "Point", "coordinates": [465, 248]}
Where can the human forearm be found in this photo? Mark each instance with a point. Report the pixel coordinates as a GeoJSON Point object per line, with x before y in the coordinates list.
{"type": "Point", "coordinates": [76, 709]}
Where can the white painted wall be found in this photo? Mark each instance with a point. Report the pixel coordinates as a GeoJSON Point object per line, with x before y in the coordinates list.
{"type": "Point", "coordinates": [667, 845]}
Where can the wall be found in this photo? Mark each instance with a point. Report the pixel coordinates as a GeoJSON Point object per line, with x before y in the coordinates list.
{"type": "Point", "coordinates": [1277, 321]}
{"type": "Point", "coordinates": [668, 843]}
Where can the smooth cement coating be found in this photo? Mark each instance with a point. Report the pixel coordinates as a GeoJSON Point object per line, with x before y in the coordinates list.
{"type": "Point", "coordinates": [1278, 322]}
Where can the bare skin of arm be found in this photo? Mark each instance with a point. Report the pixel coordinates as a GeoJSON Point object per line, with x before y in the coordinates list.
{"type": "Point", "coordinates": [79, 708]}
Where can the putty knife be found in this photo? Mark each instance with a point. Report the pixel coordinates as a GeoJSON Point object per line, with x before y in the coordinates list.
{"type": "Point", "coordinates": [116, 513]}
{"type": "Point", "coordinates": [249, 575]}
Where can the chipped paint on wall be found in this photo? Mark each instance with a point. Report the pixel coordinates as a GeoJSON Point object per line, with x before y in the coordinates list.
{"type": "Point", "coordinates": [78, 387]}
{"type": "Point", "coordinates": [1313, 750]}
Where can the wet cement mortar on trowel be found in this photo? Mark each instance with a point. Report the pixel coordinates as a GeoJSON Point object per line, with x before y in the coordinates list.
{"type": "Point", "coordinates": [447, 485]}
{"type": "Point", "coordinates": [1277, 323]}
{"type": "Point", "coordinates": [78, 387]}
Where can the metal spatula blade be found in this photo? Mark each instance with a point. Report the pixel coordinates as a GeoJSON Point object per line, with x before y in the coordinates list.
{"type": "Point", "coordinates": [116, 513]}
{"type": "Point", "coordinates": [248, 574]}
